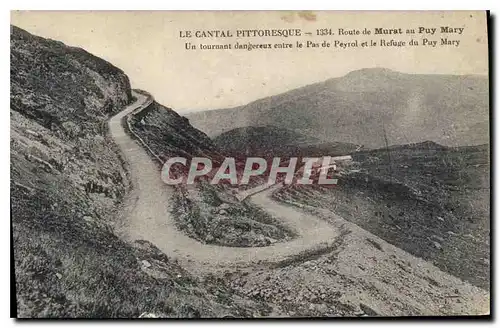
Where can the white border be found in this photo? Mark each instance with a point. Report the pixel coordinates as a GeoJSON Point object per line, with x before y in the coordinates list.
{"type": "Point", "coordinates": [252, 5]}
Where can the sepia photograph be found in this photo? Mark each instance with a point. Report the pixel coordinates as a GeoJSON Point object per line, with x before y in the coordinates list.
{"type": "Point", "coordinates": [250, 164]}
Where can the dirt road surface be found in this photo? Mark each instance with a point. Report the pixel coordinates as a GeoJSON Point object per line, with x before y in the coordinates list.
{"type": "Point", "coordinates": [147, 211]}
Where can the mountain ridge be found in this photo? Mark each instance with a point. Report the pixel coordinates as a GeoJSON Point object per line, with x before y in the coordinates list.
{"type": "Point", "coordinates": [451, 109]}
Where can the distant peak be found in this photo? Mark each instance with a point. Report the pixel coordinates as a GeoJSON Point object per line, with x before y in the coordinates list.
{"type": "Point", "coordinates": [373, 71]}
{"type": "Point", "coordinates": [430, 144]}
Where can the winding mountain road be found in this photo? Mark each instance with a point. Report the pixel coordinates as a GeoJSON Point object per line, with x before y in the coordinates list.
{"type": "Point", "coordinates": [148, 216]}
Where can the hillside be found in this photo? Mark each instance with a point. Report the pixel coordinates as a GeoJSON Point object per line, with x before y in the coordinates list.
{"type": "Point", "coordinates": [255, 140]}
{"type": "Point", "coordinates": [429, 200]}
{"type": "Point", "coordinates": [208, 213]}
{"type": "Point", "coordinates": [67, 180]}
{"type": "Point", "coordinates": [365, 106]}
{"type": "Point", "coordinates": [272, 141]}
{"type": "Point", "coordinates": [171, 134]}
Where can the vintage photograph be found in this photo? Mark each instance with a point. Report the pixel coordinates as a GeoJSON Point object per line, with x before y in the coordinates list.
{"type": "Point", "coordinates": [279, 164]}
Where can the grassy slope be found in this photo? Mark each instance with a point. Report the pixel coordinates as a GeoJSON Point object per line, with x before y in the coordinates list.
{"type": "Point", "coordinates": [429, 200]}
{"type": "Point", "coordinates": [261, 139]}
{"type": "Point", "coordinates": [207, 213]}
{"type": "Point", "coordinates": [69, 267]}
{"type": "Point", "coordinates": [66, 181]}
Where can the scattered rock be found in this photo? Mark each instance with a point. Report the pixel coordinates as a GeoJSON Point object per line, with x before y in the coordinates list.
{"type": "Point", "coordinates": [58, 275]}
{"type": "Point", "coordinates": [148, 315]}
{"type": "Point", "coordinates": [272, 240]}
{"type": "Point", "coordinates": [145, 263]}
{"type": "Point", "coordinates": [223, 206]}
{"type": "Point", "coordinates": [437, 238]}
{"type": "Point", "coordinates": [88, 218]}
{"type": "Point", "coordinates": [322, 308]}
{"type": "Point", "coordinates": [33, 133]}
{"type": "Point", "coordinates": [367, 310]}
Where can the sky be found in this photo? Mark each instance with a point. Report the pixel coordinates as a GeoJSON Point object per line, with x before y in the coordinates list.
{"type": "Point", "coordinates": [148, 47]}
